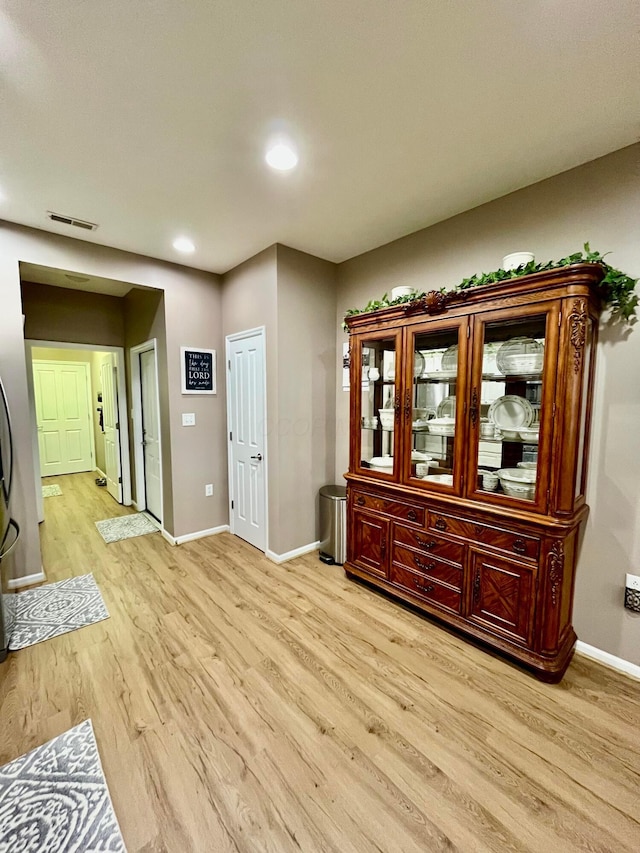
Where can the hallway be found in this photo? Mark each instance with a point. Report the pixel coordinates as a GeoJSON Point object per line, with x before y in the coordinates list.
{"type": "Point", "coordinates": [241, 705]}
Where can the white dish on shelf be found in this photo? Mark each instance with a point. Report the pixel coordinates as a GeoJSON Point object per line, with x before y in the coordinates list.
{"type": "Point", "coordinates": [511, 412]}
{"type": "Point", "coordinates": [442, 426]}
{"type": "Point", "coordinates": [510, 434]}
{"type": "Point", "coordinates": [520, 355]}
{"type": "Point", "coordinates": [381, 463]}
{"type": "Point", "coordinates": [419, 456]}
{"type": "Point", "coordinates": [450, 359]}
{"type": "Point", "coordinates": [420, 426]}
{"type": "Point", "coordinates": [518, 482]}
{"type": "Point", "coordinates": [531, 435]}
{"type": "Point", "coordinates": [444, 375]}
{"type": "Point", "coordinates": [387, 418]}
{"type": "Point", "coordinates": [528, 466]}
{"type": "Point", "coordinates": [445, 479]}
{"type": "Point", "coordinates": [447, 407]}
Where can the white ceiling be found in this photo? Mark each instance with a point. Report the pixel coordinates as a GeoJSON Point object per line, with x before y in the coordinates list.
{"type": "Point", "coordinates": [151, 117]}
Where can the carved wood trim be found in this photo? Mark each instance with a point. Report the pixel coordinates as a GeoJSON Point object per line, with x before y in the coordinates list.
{"type": "Point", "coordinates": [556, 570]}
{"type": "Point", "coordinates": [578, 326]}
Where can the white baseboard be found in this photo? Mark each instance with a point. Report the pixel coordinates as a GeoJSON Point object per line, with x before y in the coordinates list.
{"type": "Point", "coordinates": [607, 659]}
{"type": "Point", "coordinates": [199, 534]}
{"type": "Point", "coordinates": [100, 473]}
{"type": "Point", "coordinates": [134, 505]}
{"type": "Point", "coordinates": [289, 555]}
{"type": "Point", "coordinates": [27, 580]}
{"type": "Point", "coordinates": [168, 537]}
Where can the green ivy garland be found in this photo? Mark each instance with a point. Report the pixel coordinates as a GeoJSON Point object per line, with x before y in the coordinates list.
{"type": "Point", "coordinates": [617, 289]}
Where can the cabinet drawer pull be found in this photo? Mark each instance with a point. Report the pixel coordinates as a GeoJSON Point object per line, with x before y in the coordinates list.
{"type": "Point", "coordinates": [520, 546]}
{"type": "Point", "coordinates": [426, 567]}
{"type": "Point", "coordinates": [383, 548]}
{"type": "Point", "coordinates": [440, 524]}
{"type": "Point", "coordinates": [412, 515]}
{"type": "Point", "coordinates": [428, 587]}
{"type": "Point", "coordinates": [360, 500]}
{"type": "Point", "coordinates": [426, 543]}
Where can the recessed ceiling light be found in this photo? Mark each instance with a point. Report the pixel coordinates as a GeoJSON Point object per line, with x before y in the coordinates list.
{"type": "Point", "coordinates": [282, 157]}
{"type": "Point", "coordinates": [184, 244]}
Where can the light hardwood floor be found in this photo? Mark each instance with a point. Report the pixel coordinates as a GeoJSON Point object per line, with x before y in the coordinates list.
{"type": "Point", "coordinates": [244, 706]}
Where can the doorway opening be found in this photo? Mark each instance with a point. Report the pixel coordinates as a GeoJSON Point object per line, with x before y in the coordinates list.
{"type": "Point", "coordinates": [147, 442]}
{"type": "Point", "coordinates": [78, 402]}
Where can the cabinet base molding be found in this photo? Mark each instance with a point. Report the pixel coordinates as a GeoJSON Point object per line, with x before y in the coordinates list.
{"type": "Point", "coordinates": [619, 664]}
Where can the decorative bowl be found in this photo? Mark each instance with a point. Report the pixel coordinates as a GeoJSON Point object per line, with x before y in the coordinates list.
{"type": "Point", "coordinates": [401, 290]}
{"type": "Point", "coordinates": [516, 259]}
{"type": "Point", "coordinates": [387, 418]}
{"type": "Point", "coordinates": [518, 482]}
{"type": "Point", "coordinates": [381, 463]}
{"type": "Point", "coordinates": [510, 434]}
{"type": "Point", "coordinates": [442, 426]}
{"type": "Point", "coordinates": [531, 435]}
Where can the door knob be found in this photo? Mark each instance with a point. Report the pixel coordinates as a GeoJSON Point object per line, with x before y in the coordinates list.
{"type": "Point", "coordinates": [258, 457]}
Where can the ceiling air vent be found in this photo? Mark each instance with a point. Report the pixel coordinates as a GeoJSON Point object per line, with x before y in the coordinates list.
{"type": "Point", "coordinates": [71, 220]}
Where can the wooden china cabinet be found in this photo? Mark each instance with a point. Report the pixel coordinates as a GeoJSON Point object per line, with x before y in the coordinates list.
{"type": "Point", "coordinates": [470, 415]}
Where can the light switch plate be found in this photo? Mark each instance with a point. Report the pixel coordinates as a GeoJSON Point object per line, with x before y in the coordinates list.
{"type": "Point", "coordinates": [188, 419]}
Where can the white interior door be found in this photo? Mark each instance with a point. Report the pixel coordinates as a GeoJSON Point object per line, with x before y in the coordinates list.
{"type": "Point", "coordinates": [63, 415]}
{"type": "Point", "coordinates": [246, 405]}
{"type": "Point", "coordinates": [113, 468]}
{"type": "Point", "coordinates": [151, 433]}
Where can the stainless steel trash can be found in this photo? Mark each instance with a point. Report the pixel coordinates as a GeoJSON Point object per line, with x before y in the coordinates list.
{"type": "Point", "coordinates": [333, 524]}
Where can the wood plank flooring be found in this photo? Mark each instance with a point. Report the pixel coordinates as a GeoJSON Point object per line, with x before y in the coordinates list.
{"type": "Point", "coordinates": [244, 706]}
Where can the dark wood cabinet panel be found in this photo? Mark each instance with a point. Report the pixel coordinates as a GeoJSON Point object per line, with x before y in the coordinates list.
{"type": "Point", "coordinates": [501, 595]}
{"type": "Point", "coordinates": [369, 542]}
{"type": "Point", "coordinates": [492, 557]}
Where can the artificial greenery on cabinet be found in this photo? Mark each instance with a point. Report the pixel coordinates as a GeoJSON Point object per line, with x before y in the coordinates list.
{"type": "Point", "coordinates": [617, 289]}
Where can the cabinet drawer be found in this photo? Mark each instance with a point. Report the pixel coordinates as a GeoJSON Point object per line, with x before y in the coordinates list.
{"type": "Point", "coordinates": [506, 540]}
{"type": "Point", "coordinates": [398, 509]}
{"type": "Point", "coordinates": [429, 566]}
{"type": "Point", "coordinates": [429, 543]}
{"type": "Point", "coordinates": [432, 591]}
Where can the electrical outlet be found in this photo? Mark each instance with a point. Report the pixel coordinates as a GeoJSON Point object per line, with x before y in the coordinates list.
{"type": "Point", "coordinates": [633, 582]}
{"type": "Point", "coordinates": [188, 419]}
{"type": "Point", "coordinates": [208, 490]}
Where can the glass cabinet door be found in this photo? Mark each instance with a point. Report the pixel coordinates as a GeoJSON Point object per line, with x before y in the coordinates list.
{"type": "Point", "coordinates": [433, 405]}
{"type": "Point", "coordinates": [377, 372]}
{"type": "Point", "coordinates": [510, 409]}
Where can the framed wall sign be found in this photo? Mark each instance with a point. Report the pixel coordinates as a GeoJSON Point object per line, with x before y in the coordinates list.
{"type": "Point", "coordinates": [198, 368]}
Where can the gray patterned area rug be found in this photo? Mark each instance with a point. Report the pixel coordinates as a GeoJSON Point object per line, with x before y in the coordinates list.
{"type": "Point", "coordinates": [55, 609]}
{"type": "Point", "coordinates": [55, 799]}
{"type": "Point", "coordinates": [125, 527]}
{"type": "Point", "coordinates": [51, 491]}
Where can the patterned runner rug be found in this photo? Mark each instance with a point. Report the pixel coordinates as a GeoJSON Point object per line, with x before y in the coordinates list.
{"type": "Point", "coordinates": [125, 527]}
{"type": "Point", "coordinates": [51, 491]}
{"type": "Point", "coordinates": [55, 609]}
{"type": "Point", "coordinates": [55, 799]}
